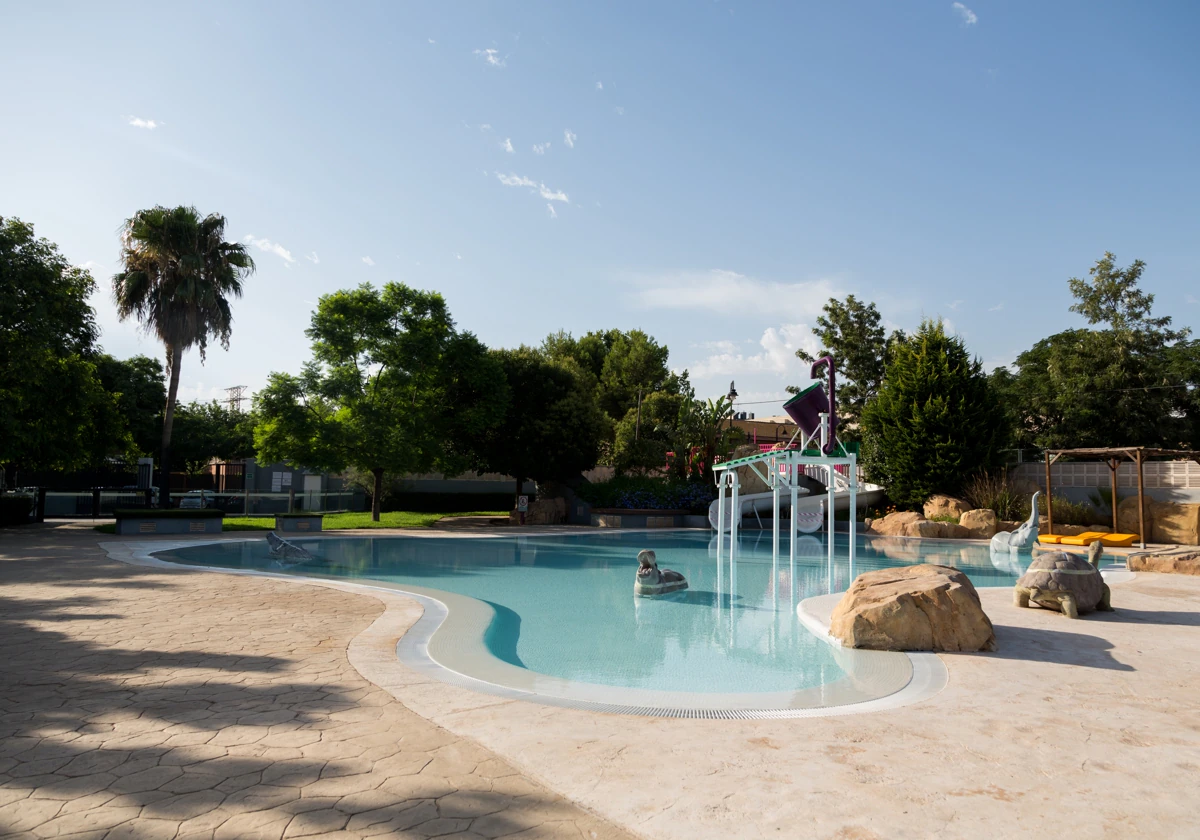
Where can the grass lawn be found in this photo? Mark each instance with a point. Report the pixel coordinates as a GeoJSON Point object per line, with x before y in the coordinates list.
{"type": "Point", "coordinates": [338, 521]}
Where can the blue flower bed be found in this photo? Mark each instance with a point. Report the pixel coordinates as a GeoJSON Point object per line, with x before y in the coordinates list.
{"type": "Point", "coordinates": [630, 493]}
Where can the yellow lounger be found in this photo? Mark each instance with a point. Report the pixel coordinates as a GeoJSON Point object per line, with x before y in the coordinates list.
{"type": "Point", "coordinates": [1050, 539]}
{"type": "Point", "coordinates": [1086, 538]}
{"type": "Point", "coordinates": [1089, 537]}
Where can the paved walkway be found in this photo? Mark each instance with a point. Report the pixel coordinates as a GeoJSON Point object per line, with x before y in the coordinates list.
{"type": "Point", "coordinates": [147, 703]}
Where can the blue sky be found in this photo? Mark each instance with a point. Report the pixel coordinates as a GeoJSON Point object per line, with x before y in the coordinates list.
{"type": "Point", "coordinates": [710, 172]}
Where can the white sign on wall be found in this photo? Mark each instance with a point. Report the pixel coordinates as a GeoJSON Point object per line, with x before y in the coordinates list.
{"type": "Point", "coordinates": [287, 479]}
{"type": "Point", "coordinates": [522, 503]}
{"type": "Point", "coordinates": [276, 482]}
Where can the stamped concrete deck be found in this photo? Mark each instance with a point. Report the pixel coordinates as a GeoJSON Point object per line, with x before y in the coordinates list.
{"type": "Point", "coordinates": [148, 703]}
{"type": "Point", "coordinates": [1074, 728]}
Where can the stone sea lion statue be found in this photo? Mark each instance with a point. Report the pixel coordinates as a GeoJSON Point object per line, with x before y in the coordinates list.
{"type": "Point", "coordinates": [652, 580]}
{"type": "Point", "coordinates": [1025, 536]}
{"type": "Point", "coordinates": [284, 552]}
{"type": "Point", "coordinates": [1065, 582]}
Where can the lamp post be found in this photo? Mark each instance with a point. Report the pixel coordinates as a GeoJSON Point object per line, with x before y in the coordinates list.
{"type": "Point", "coordinates": [732, 396]}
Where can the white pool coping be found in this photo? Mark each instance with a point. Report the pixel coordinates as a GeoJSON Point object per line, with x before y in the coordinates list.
{"type": "Point", "coordinates": [446, 643]}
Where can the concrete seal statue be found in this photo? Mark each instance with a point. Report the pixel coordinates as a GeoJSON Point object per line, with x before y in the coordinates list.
{"type": "Point", "coordinates": [1025, 536]}
{"type": "Point", "coordinates": [652, 580]}
{"type": "Point", "coordinates": [284, 552]}
{"type": "Point", "coordinates": [1065, 582]}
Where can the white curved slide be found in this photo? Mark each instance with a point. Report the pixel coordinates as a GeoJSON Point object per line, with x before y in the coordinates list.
{"type": "Point", "coordinates": [809, 508]}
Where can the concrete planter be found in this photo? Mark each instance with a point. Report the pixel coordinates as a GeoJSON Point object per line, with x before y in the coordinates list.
{"type": "Point", "coordinates": [129, 525]}
{"type": "Point", "coordinates": [620, 518]}
{"type": "Point", "coordinates": [304, 524]}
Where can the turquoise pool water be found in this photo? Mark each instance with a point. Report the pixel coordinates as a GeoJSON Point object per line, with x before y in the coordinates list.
{"type": "Point", "coordinates": [564, 604]}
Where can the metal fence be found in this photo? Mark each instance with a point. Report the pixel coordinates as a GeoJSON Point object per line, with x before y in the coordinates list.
{"type": "Point", "coordinates": [1158, 475]}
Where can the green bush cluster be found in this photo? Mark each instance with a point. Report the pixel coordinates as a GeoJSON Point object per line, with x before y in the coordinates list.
{"type": "Point", "coordinates": [14, 509]}
{"type": "Point", "coordinates": [629, 492]}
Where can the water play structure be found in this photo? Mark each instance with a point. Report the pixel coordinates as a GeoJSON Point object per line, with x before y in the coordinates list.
{"type": "Point", "coordinates": [819, 454]}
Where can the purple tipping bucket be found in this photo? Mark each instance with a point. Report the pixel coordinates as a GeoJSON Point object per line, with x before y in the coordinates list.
{"type": "Point", "coordinates": [807, 407]}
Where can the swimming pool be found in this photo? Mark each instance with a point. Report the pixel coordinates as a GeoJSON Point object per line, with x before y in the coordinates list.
{"type": "Point", "coordinates": [550, 614]}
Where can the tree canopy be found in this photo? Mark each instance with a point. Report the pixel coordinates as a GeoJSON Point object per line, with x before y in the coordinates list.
{"type": "Point", "coordinates": [853, 334]}
{"type": "Point", "coordinates": [935, 421]}
{"type": "Point", "coordinates": [1132, 382]}
{"type": "Point", "coordinates": [56, 413]}
{"type": "Point", "coordinates": [551, 427]}
{"type": "Point", "coordinates": [390, 386]}
{"type": "Point", "coordinates": [178, 276]}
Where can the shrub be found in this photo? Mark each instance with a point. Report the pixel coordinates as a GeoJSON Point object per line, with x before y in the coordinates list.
{"type": "Point", "coordinates": [935, 421]}
{"type": "Point", "coordinates": [646, 493]}
{"type": "Point", "coordinates": [994, 491]}
{"type": "Point", "coordinates": [14, 509]}
{"type": "Point", "coordinates": [945, 517]}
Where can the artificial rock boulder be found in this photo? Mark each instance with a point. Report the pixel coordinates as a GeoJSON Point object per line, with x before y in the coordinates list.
{"type": "Point", "coordinates": [896, 524]}
{"type": "Point", "coordinates": [940, 505]}
{"type": "Point", "coordinates": [749, 481]}
{"type": "Point", "coordinates": [1175, 523]}
{"type": "Point", "coordinates": [923, 607]}
{"type": "Point", "coordinates": [980, 524]}
{"type": "Point", "coordinates": [1173, 562]}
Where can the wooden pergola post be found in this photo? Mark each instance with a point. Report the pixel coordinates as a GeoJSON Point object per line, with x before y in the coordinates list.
{"type": "Point", "coordinates": [1049, 503]}
{"type": "Point", "coordinates": [1114, 464]}
{"type": "Point", "coordinates": [1141, 497]}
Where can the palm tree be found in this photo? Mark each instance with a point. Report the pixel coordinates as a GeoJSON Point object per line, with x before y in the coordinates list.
{"type": "Point", "coordinates": [178, 278]}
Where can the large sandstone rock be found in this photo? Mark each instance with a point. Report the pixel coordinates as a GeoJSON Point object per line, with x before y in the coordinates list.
{"type": "Point", "coordinates": [980, 524]}
{"type": "Point", "coordinates": [748, 480]}
{"type": "Point", "coordinates": [922, 607]}
{"type": "Point", "coordinates": [1174, 563]}
{"type": "Point", "coordinates": [1174, 522]}
{"type": "Point", "coordinates": [543, 512]}
{"type": "Point", "coordinates": [939, 505]}
{"type": "Point", "coordinates": [1127, 516]}
{"type": "Point", "coordinates": [896, 524]}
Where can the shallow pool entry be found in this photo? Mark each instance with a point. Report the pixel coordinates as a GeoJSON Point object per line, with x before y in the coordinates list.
{"type": "Point", "coordinates": [563, 606]}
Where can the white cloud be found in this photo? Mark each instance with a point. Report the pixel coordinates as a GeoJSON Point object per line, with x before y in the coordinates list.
{"type": "Point", "coordinates": [137, 122]}
{"type": "Point", "coordinates": [485, 127]}
{"type": "Point", "coordinates": [492, 57]}
{"type": "Point", "coordinates": [954, 304]}
{"type": "Point", "coordinates": [569, 138]}
{"type": "Point", "coordinates": [432, 41]}
{"type": "Point", "coordinates": [996, 308]}
{"type": "Point", "coordinates": [368, 261]}
{"type": "Point", "coordinates": [458, 256]}
{"type": "Point", "coordinates": [599, 85]}
{"type": "Point", "coordinates": [540, 148]}
{"type": "Point", "coordinates": [553, 212]}
{"type": "Point", "coordinates": [778, 355]}
{"type": "Point", "coordinates": [1190, 298]}
{"type": "Point", "coordinates": [312, 258]}
{"type": "Point", "coordinates": [620, 111]}
{"type": "Point", "coordinates": [270, 247]}
{"type": "Point", "coordinates": [508, 146]}
{"type": "Point", "coordinates": [545, 192]}
{"type": "Point", "coordinates": [727, 292]}
{"type": "Point", "coordinates": [969, 17]}
{"type": "Point", "coordinates": [93, 266]}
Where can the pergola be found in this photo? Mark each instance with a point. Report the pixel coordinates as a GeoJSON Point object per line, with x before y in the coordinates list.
{"type": "Point", "coordinates": [1113, 456]}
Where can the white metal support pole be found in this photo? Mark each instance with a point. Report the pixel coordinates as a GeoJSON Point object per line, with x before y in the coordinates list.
{"type": "Point", "coordinates": [775, 513]}
{"type": "Point", "coordinates": [721, 482]}
{"type": "Point", "coordinates": [734, 521]}
{"type": "Point", "coordinates": [853, 509]}
{"type": "Point", "coordinates": [794, 536]}
{"type": "Point", "coordinates": [829, 500]}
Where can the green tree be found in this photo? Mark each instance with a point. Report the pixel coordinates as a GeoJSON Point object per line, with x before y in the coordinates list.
{"type": "Point", "coordinates": [635, 364]}
{"type": "Point", "coordinates": [140, 389]}
{"type": "Point", "coordinates": [552, 427]}
{"type": "Point", "coordinates": [179, 274]}
{"type": "Point", "coordinates": [204, 431]}
{"type": "Point", "coordinates": [852, 333]}
{"type": "Point", "coordinates": [55, 411]}
{"type": "Point", "coordinates": [390, 388]}
{"type": "Point", "coordinates": [935, 421]}
{"type": "Point", "coordinates": [1132, 382]}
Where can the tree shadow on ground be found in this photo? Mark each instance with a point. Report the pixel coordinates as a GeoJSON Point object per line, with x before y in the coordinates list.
{"type": "Point", "coordinates": [114, 712]}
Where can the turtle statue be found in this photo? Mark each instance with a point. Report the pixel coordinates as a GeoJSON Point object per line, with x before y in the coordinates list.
{"type": "Point", "coordinates": [1065, 582]}
{"type": "Point", "coordinates": [1024, 536]}
{"type": "Point", "coordinates": [652, 580]}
